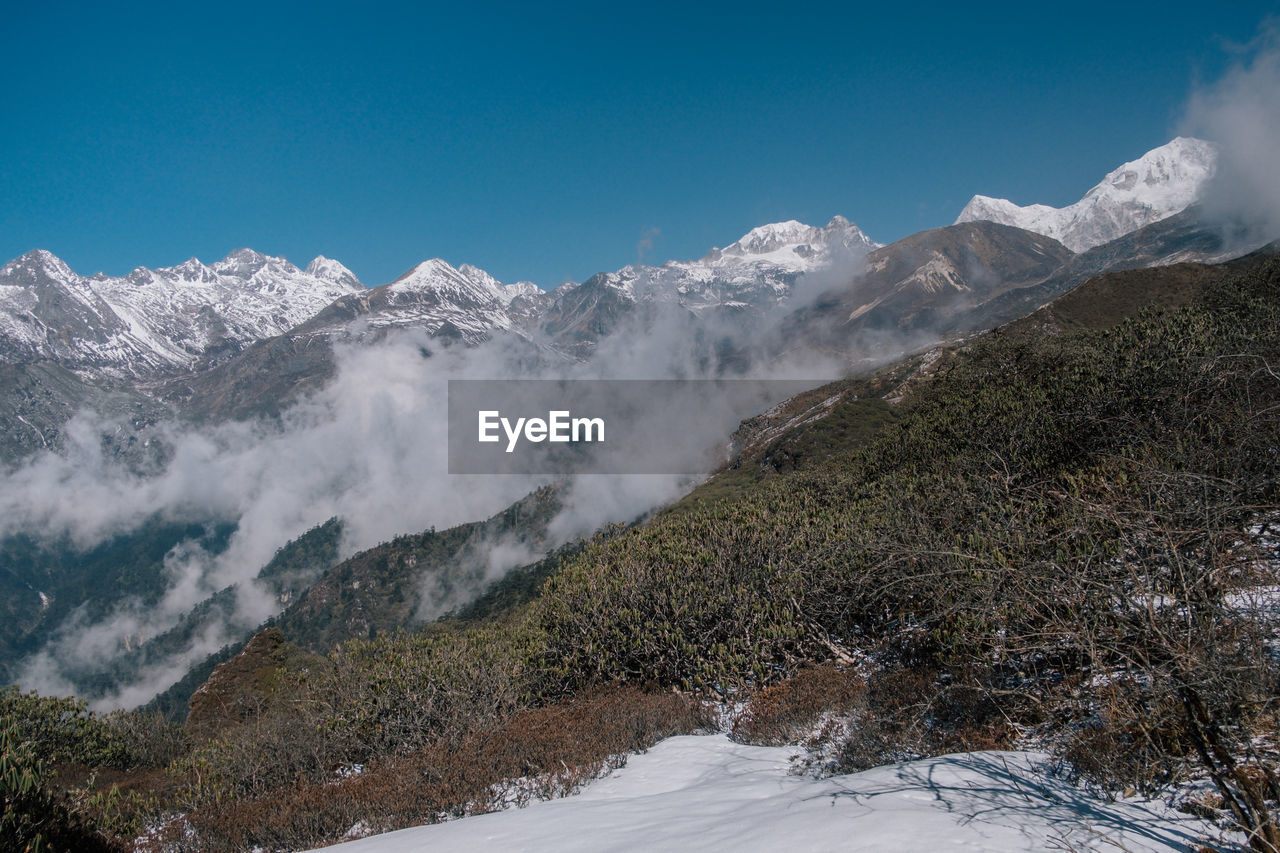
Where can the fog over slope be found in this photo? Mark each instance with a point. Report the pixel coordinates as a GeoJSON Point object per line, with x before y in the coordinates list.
{"type": "Point", "coordinates": [368, 447]}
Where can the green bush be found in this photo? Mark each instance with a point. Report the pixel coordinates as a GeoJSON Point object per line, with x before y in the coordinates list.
{"type": "Point", "coordinates": [32, 819]}
{"type": "Point", "coordinates": [66, 732]}
{"type": "Point", "coordinates": [382, 697]}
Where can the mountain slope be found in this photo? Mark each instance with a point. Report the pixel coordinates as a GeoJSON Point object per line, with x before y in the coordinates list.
{"type": "Point", "coordinates": [925, 279]}
{"type": "Point", "coordinates": [1181, 238]}
{"type": "Point", "coordinates": [938, 555]}
{"type": "Point", "coordinates": [414, 578]}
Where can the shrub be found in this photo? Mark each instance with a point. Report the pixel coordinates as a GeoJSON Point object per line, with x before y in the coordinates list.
{"type": "Point", "coordinates": [382, 697]}
{"type": "Point", "coordinates": [540, 752]}
{"type": "Point", "coordinates": [788, 712]}
{"type": "Point", "coordinates": [33, 819]}
{"type": "Point", "coordinates": [701, 600]}
{"type": "Point", "coordinates": [66, 732]}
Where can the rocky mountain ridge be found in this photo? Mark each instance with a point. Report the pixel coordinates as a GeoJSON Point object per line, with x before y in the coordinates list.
{"type": "Point", "coordinates": [153, 322]}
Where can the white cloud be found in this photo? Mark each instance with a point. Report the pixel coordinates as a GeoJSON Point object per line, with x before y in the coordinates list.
{"type": "Point", "coordinates": [1240, 112]}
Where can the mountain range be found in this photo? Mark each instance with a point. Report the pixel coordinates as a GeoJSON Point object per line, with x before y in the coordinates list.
{"type": "Point", "coordinates": [249, 335]}
{"type": "Point", "coordinates": [152, 322]}
{"type": "Point", "coordinates": [160, 322]}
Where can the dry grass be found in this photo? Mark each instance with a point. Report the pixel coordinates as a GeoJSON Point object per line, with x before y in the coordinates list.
{"type": "Point", "coordinates": [788, 712]}
{"type": "Point", "coordinates": [550, 750]}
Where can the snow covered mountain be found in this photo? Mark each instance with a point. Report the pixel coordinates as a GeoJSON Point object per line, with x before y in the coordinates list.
{"type": "Point", "coordinates": [759, 269]}
{"type": "Point", "coordinates": [755, 273]}
{"type": "Point", "coordinates": [157, 321]}
{"type": "Point", "coordinates": [1160, 183]}
{"type": "Point", "coordinates": [464, 302]}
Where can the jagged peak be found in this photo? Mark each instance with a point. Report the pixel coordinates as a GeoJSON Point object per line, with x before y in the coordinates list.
{"type": "Point", "coordinates": [1159, 184]}
{"type": "Point", "coordinates": [768, 238]}
{"type": "Point", "coordinates": [245, 264]}
{"type": "Point", "coordinates": [522, 288]}
{"type": "Point", "coordinates": [41, 261]}
{"type": "Point", "coordinates": [245, 254]}
{"type": "Point", "coordinates": [765, 239]}
{"type": "Point", "coordinates": [425, 269]}
{"type": "Point", "coordinates": [479, 276]}
{"type": "Point", "coordinates": [330, 270]}
{"type": "Point", "coordinates": [192, 269]}
{"type": "Point", "coordinates": [43, 256]}
{"type": "Point", "coordinates": [431, 274]}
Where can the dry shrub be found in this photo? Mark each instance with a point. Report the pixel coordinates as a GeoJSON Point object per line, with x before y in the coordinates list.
{"type": "Point", "coordinates": [846, 722]}
{"type": "Point", "coordinates": [259, 756]}
{"type": "Point", "coordinates": [1127, 744]}
{"type": "Point", "coordinates": [788, 712]}
{"type": "Point", "coordinates": [551, 749]}
{"type": "Point", "coordinates": [913, 713]}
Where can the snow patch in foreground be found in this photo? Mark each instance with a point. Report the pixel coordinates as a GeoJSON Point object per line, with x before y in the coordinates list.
{"type": "Point", "coordinates": [715, 794]}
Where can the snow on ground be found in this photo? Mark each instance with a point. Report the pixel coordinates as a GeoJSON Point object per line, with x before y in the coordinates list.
{"type": "Point", "coordinates": [714, 794]}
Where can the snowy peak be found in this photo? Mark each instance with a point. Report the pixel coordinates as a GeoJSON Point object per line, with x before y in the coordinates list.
{"type": "Point", "coordinates": [437, 276]}
{"type": "Point", "coordinates": [244, 263]}
{"type": "Point", "coordinates": [521, 289]}
{"type": "Point", "coordinates": [1160, 183]}
{"type": "Point", "coordinates": [484, 282]}
{"type": "Point", "coordinates": [156, 320]}
{"type": "Point", "coordinates": [504, 293]}
{"type": "Point", "coordinates": [780, 239]}
{"type": "Point", "coordinates": [191, 271]}
{"type": "Point", "coordinates": [38, 263]}
{"type": "Point", "coordinates": [1172, 173]}
{"type": "Point", "coordinates": [841, 233]}
{"type": "Point", "coordinates": [463, 285]}
{"type": "Point", "coordinates": [464, 302]}
{"type": "Point", "coordinates": [769, 238]}
{"type": "Point", "coordinates": [327, 269]}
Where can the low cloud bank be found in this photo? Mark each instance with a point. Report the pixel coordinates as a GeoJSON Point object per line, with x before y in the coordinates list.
{"type": "Point", "coordinates": [1240, 112]}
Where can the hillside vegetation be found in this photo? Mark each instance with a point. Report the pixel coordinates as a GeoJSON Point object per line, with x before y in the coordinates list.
{"type": "Point", "coordinates": [1062, 533]}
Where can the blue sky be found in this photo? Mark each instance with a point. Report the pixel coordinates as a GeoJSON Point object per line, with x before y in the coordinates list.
{"type": "Point", "coordinates": [547, 141]}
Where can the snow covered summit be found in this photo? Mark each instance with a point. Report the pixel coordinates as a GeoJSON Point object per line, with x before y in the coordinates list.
{"type": "Point", "coordinates": [1160, 183]}
{"type": "Point", "coordinates": [760, 268]}
{"type": "Point", "coordinates": [157, 320]}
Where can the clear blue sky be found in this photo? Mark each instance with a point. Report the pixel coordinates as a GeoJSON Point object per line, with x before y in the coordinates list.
{"type": "Point", "coordinates": [543, 141]}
